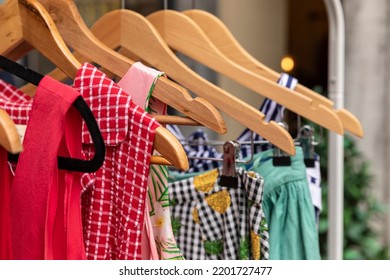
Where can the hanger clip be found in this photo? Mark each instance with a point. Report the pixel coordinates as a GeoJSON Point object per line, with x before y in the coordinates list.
{"type": "Point", "coordinates": [231, 151]}
{"type": "Point", "coordinates": [280, 157]}
{"type": "Point", "coordinates": [307, 140]}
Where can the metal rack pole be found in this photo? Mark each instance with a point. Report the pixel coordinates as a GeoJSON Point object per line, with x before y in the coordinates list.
{"type": "Point", "coordinates": [336, 149]}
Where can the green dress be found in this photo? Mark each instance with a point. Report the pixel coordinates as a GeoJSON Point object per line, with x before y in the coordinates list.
{"type": "Point", "coordinates": [288, 208]}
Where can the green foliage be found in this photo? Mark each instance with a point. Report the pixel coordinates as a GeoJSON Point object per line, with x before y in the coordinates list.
{"type": "Point", "coordinates": [214, 247]}
{"type": "Point", "coordinates": [361, 208]}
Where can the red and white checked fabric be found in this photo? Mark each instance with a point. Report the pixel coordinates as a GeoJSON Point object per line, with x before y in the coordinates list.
{"type": "Point", "coordinates": [16, 103]}
{"type": "Point", "coordinates": [114, 198]}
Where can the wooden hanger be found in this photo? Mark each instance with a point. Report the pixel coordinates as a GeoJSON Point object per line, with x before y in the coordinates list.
{"type": "Point", "coordinates": [183, 35]}
{"type": "Point", "coordinates": [9, 137]}
{"type": "Point", "coordinates": [29, 22]}
{"type": "Point", "coordinates": [77, 35]}
{"type": "Point", "coordinates": [224, 40]}
{"type": "Point", "coordinates": [39, 30]}
{"type": "Point", "coordinates": [12, 43]}
{"type": "Point", "coordinates": [131, 31]}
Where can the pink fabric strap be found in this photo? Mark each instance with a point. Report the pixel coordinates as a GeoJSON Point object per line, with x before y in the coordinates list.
{"type": "Point", "coordinates": [137, 82]}
{"type": "Point", "coordinates": [149, 249]}
{"type": "Point", "coordinates": [41, 206]}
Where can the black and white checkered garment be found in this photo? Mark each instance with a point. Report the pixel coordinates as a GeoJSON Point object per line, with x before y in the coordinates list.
{"type": "Point", "coordinates": [231, 228]}
{"type": "Point", "coordinates": [255, 195]}
{"type": "Point", "coordinates": [184, 200]}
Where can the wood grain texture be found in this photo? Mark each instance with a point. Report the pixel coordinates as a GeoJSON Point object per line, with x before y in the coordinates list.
{"type": "Point", "coordinates": [9, 137]}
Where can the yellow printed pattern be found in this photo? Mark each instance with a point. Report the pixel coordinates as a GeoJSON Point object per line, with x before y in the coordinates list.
{"type": "Point", "coordinates": [255, 239]}
{"type": "Point", "coordinates": [219, 201]}
{"type": "Point", "coordinates": [205, 182]}
{"type": "Point", "coordinates": [195, 215]}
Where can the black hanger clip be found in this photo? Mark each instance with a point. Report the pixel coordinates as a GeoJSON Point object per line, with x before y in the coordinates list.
{"type": "Point", "coordinates": [281, 158]}
{"type": "Point", "coordinates": [231, 152]}
{"type": "Point", "coordinates": [307, 144]}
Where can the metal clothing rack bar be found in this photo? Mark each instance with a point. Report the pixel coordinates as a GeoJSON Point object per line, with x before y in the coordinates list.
{"type": "Point", "coordinates": [336, 81]}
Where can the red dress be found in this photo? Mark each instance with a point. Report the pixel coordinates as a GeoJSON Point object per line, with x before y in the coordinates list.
{"type": "Point", "coordinates": [16, 104]}
{"type": "Point", "coordinates": [5, 188]}
{"type": "Point", "coordinates": [45, 216]}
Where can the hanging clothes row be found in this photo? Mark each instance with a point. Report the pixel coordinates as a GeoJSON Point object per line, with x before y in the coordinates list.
{"type": "Point", "coordinates": [96, 152]}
